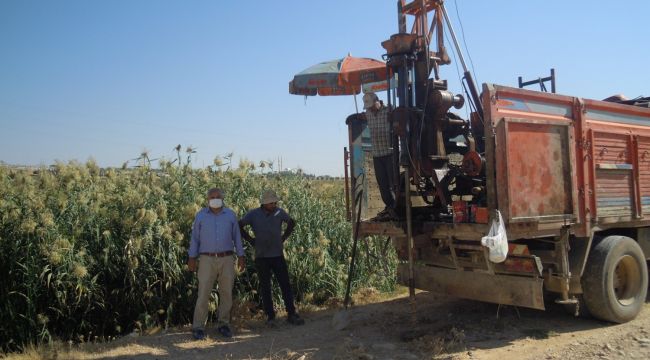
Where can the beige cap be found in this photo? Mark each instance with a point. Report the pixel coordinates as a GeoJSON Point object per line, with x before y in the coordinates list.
{"type": "Point", "coordinates": [369, 100]}
{"type": "Point", "coordinates": [269, 196]}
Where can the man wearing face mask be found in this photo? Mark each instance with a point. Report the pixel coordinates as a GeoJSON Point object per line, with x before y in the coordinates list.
{"type": "Point", "coordinates": [215, 238]}
{"type": "Point", "coordinates": [266, 223]}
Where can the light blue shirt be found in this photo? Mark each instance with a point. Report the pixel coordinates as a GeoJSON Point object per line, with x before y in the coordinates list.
{"type": "Point", "coordinates": [212, 233]}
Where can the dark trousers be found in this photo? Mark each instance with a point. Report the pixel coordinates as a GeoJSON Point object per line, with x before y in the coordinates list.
{"type": "Point", "coordinates": [383, 166]}
{"type": "Point", "coordinates": [278, 266]}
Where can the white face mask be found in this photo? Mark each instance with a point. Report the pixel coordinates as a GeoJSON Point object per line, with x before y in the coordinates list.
{"type": "Point", "coordinates": [215, 203]}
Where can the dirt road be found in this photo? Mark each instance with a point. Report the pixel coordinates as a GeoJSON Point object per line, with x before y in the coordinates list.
{"type": "Point", "coordinates": [444, 328]}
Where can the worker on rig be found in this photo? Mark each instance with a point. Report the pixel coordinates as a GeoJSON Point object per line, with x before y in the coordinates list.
{"type": "Point", "coordinates": [376, 115]}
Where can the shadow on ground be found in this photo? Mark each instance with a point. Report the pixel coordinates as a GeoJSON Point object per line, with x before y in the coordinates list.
{"type": "Point", "coordinates": [388, 329]}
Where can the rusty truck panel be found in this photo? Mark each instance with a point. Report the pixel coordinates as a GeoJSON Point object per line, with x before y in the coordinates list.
{"type": "Point", "coordinates": [504, 289]}
{"type": "Point", "coordinates": [535, 164]}
{"type": "Point", "coordinates": [567, 161]}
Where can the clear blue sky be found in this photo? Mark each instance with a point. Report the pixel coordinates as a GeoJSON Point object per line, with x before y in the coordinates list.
{"type": "Point", "coordinates": [108, 79]}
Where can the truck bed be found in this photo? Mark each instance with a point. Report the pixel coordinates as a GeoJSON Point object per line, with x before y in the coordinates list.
{"type": "Point", "coordinates": [566, 161]}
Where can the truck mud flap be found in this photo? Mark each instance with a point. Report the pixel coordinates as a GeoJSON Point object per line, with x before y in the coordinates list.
{"type": "Point", "coordinates": [499, 289]}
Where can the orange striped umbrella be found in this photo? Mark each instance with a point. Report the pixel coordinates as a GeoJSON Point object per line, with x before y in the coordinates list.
{"type": "Point", "coordinates": [339, 77]}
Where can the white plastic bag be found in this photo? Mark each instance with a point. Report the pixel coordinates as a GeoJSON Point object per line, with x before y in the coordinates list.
{"type": "Point", "coordinates": [496, 240]}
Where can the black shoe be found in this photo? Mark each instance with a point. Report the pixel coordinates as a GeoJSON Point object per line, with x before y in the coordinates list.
{"type": "Point", "coordinates": [225, 331]}
{"type": "Point", "coordinates": [380, 215]}
{"type": "Point", "coordinates": [391, 214]}
{"type": "Point", "coordinates": [270, 321]}
{"type": "Point", "coordinates": [198, 334]}
{"type": "Point", "coordinates": [295, 319]}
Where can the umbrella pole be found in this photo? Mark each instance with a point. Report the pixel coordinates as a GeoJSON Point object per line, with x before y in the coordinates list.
{"type": "Point", "coordinates": [356, 107]}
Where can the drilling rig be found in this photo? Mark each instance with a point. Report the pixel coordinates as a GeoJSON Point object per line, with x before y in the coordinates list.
{"type": "Point", "coordinates": [570, 178]}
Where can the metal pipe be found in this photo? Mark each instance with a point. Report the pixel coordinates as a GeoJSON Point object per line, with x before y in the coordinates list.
{"type": "Point", "coordinates": [401, 17]}
{"type": "Point", "coordinates": [346, 156]}
{"type": "Point", "coordinates": [348, 287]}
{"type": "Point", "coordinates": [402, 81]}
{"type": "Point", "coordinates": [553, 80]}
{"type": "Point", "coordinates": [539, 81]}
{"type": "Point", "coordinates": [409, 234]}
{"type": "Point", "coordinates": [412, 102]}
{"type": "Point", "coordinates": [468, 76]}
{"type": "Point", "coordinates": [389, 91]}
{"type": "Point", "coordinates": [453, 37]}
{"type": "Point", "coordinates": [564, 261]}
{"type": "Point", "coordinates": [474, 93]}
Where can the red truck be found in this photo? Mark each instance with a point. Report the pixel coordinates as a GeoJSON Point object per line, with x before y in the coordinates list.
{"type": "Point", "coordinates": [569, 176]}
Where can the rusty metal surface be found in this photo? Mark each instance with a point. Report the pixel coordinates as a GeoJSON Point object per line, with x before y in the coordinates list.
{"type": "Point", "coordinates": [373, 202]}
{"type": "Point", "coordinates": [583, 169]}
{"type": "Point", "coordinates": [462, 231]}
{"type": "Point", "coordinates": [538, 169]}
{"type": "Point", "coordinates": [643, 237]}
{"type": "Point", "coordinates": [603, 164]}
{"type": "Point", "coordinates": [615, 174]}
{"type": "Point", "coordinates": [499, 289]}
{"type": "Point", "coordinates": [361, 169]}
{"type": "Point", "coordinates": [620, 151]}
{"type": "Point", "coordinates": [387, 228]}
{"type": "Point", "coordinates": [556, 284]}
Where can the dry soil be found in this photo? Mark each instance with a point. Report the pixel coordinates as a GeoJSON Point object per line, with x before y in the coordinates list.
{"type": "Point", "coordinates": [436, 327]}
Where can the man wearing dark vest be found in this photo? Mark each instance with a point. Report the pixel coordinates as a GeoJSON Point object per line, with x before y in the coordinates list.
{"type": "Point", "coordinates": [266, 223]}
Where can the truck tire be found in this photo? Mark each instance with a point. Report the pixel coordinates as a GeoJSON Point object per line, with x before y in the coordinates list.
{"type": "Point", "coordinates": [615, 281]}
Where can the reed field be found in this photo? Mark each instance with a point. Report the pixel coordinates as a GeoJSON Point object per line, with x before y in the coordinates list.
{"type": "Point", "coordinates": [89, 253]}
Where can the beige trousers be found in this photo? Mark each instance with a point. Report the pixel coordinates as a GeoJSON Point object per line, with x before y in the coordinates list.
{"type": "Point", "coordinates": [221, 269]}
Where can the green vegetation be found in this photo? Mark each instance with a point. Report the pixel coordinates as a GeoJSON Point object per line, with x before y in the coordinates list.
{"type": "Point", "coordinates": [88, 253]}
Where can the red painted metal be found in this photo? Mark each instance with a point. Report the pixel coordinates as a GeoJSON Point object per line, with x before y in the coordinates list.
{"type": "Point", "coordinates": [592, 179]}
{"type": "Point", "coordinates": [634, 146]}
{"type": "Point", "coordinates": [561, 160]}
{"type": "Point", "coordinates": [583, 158]}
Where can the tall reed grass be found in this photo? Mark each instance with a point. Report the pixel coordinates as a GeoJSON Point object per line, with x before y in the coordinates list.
{"type": "Point", "coordinates": [89, 253]}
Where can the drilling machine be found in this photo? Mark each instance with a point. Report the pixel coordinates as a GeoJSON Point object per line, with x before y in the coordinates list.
{"type": "Point", "coordinates": [573, 205]}
{"type": "Point", "coordinates": [427, 152]}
